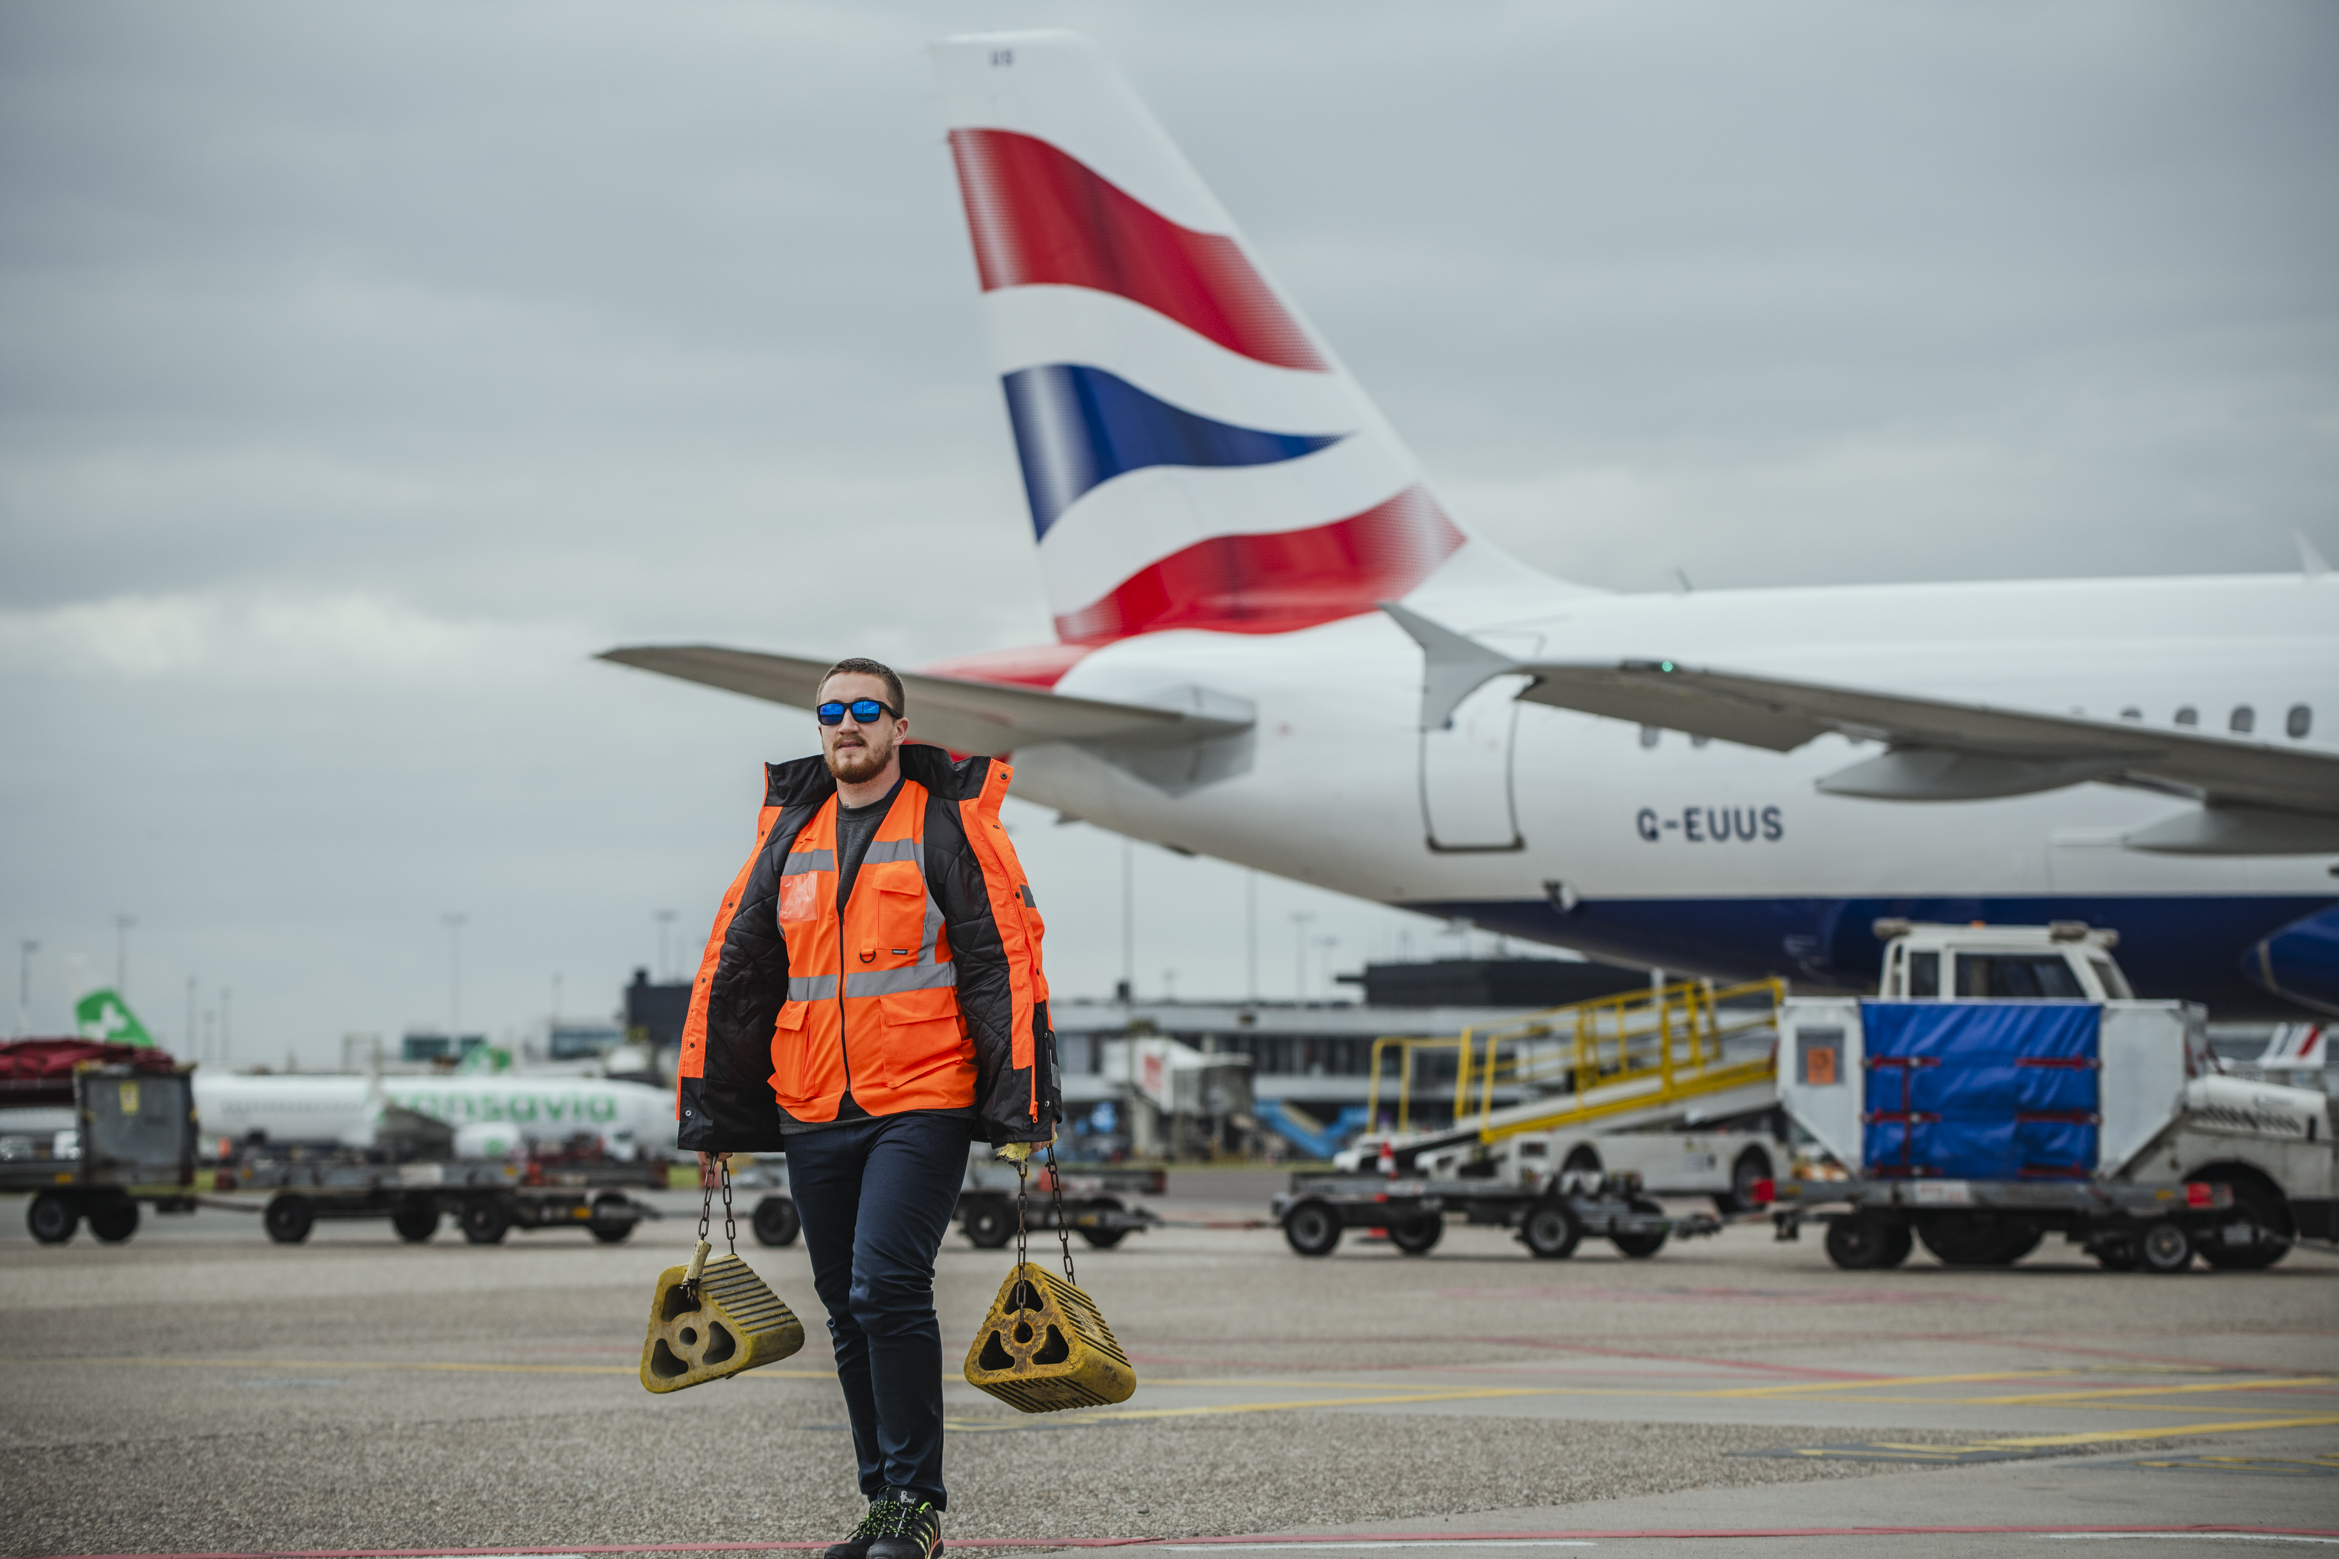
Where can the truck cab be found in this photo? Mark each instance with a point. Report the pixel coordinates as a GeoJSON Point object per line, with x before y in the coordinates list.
{"type": "Point", "coordinates": [2065, 960]}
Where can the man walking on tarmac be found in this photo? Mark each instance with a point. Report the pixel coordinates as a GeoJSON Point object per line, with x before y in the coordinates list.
{"type": "Point", "coordinates": [872, 1000]}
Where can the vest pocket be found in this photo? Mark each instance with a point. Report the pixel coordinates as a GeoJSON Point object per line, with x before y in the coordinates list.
{"type": "Point", "coordinates": [788, 1051]}
{"type": "Point", "coordinates": [899, 927]}
{"type": "Point", "coordinates": [922, 1033]}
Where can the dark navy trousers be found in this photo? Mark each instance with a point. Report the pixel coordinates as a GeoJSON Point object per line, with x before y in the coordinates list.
{"type": "Point", "coordinates": [876, 1197]}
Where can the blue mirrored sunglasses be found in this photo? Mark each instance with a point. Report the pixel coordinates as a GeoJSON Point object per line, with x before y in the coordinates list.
{"type": "Point", "coordinates": [865, 711]}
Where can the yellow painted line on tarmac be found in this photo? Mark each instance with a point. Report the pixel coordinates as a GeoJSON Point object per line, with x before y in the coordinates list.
{"type": "Point", "coordinates": [396, 1364]}
{"type": "Point", "coordinates": [2166, 1431]}
{"type": "Point", "coordinates": [1803, 1388]}
{"type": "Point", "coordinates": [2146, 1391]}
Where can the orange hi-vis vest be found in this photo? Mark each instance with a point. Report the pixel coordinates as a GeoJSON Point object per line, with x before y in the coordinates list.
{"type": "Point", "coordinates": [926, 991]}
{"type": "Point", "coordinates": [872, 1000]}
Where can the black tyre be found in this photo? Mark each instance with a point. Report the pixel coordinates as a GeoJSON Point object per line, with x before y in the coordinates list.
{"type": "Point", "coordinates": [776, 1222]}
{"type": "Point", "coordinates": [1419, 1234]}
{"type": "Point", "coordinates": [2263, 1207]}
{"type": "Point", "coordinates": [51, 1218]}
{"type": "Point", "coordinates": [1312, 1229]}
{"type": "Point", "coordinates": [1867, 1244]}
{"type": "Point", "coordinates": [1640, 1247]}
{"type": "Point", "coordinates": [1977, 1239]}
{"type": "Point", "coordinates": [608, 1225]}
{"type": "Point", "coordinates": [1550, 1231]}
{"type": "Point", "coordinates": [113, 1220]}
{"type": "Point", "coordinates": [987, 1221]}
{"type": "Point", "coordinates": [2165, 1247]}
{"type": "Point", "coordinates": [416, 1219]}
{"type": "Point", "coordinates": [1752, 1165]}
{"type": "Point", "coordinates": [1105, 1239]}
{"type": "Point", "coordinates": [485, 1221]}
{"type": "Point", "coordinates": [288, 1219]}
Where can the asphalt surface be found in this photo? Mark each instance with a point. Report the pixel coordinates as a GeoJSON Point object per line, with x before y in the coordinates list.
{"type": "Point", "coordinates": [199, 1390]}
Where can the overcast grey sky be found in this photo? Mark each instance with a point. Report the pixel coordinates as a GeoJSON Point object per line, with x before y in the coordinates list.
{"type": "Point", "coordinates": [365, 368]}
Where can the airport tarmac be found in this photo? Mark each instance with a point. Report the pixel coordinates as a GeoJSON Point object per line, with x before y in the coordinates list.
{"type": "Point", "coordinates": [200, 1390]}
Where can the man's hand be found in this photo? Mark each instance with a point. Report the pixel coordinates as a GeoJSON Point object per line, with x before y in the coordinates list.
{"type": "Point", "coordinates": [1021, 1152]}
{"type": "Point", "coordinates": [706, 1166]}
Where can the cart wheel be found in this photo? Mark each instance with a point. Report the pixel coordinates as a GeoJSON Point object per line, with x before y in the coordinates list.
{"type": "Point", "coordinates": [1978, 1239]}
{"type": "Point", "coordinates": [1551, 1230]}
{"type": "Point", "coordinates": [1312, 1228]}
{"type": "Point", "coordinates": [52, 1218]}
{"type": "Point", "coordinates": [987, 1222]}
{"type": "Point", "coordinates": [1752, 1166]}
{"type": "Point", "coordinates": [776, 1222]}
{"type": "Point", "coordinates": [416, 1219]}
{"type": "Point", "coordinates": [113, 1220]}
{"type": "Point", "coordinates": [2166, 1247]}
{"type": "Point", "coordinates": [609, 1230]}
{"type": "Point", "coordinates": [2118, 1256]}
{"type": "Point", "coordinates": [2266, 1210]}
{"type": "Point", "coordinates": [1105, 1239]}
{"type": "Point", "coordinates": [485, 1221]}
{"type": "Point", "coordinates": [288, 1219]}
{"type": "Point", "coordinates": [1418, 1235]}
{"type": "Point", "coordinates": [1864, 1244]}
{"type": "Point", "coordinates": [1640, 1247]}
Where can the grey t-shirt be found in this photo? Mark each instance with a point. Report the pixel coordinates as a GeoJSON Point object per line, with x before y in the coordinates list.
{"type": "Point", "coordinates": [856, 827]}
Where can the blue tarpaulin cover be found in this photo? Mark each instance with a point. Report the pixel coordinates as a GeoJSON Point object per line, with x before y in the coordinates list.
{"type": "Point", "coordinates": [1980, 1090]}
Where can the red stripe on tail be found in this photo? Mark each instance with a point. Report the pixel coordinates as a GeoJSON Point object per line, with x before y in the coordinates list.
{"type": "Point", "coordinates": [1279, 581]}
{"type": "Point", "coordinates": [1041, 218]}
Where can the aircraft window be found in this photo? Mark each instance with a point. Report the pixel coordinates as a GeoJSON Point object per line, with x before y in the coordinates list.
{"type": "Point", "coordinates": [2188, 715]}
{"type": "Point", "coordinates": [2131, 713]}
{"type": "Point", "coordinates": [1699, 741]}
{"type": "Point", "coordinates": [2018, 977]}
{"type": "Point", "coordinates": [1649, 734]}
{"type": "Point", "coordinates": [1924, 976]}
{"type": "Point", "coordinates": [2299, 721]}
{"type": "Point", "coordinates": [2114, 983]}
{"type": "Point", "coordinates": [2243, 720]}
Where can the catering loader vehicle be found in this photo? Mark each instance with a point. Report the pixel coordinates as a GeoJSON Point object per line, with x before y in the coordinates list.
{"type": "Point", "coordinates": [2005, 1085]}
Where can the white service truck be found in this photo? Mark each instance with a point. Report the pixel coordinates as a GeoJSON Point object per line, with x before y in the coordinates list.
{"type": "Point", "coordinates": [2005, 1084]}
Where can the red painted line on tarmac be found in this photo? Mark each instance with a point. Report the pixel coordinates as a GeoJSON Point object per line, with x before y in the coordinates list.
{"type": "Point", "coordinates": [1613, 1534]}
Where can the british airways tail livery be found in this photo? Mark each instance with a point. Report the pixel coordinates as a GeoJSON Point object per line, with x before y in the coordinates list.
{"type": "Point", "coordinates": [1275, 645]}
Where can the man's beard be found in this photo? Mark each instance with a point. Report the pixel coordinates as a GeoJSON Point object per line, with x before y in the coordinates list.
{"type": "Point", "coordinates": [855, 764]}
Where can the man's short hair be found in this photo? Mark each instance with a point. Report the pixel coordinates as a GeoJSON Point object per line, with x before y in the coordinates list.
{"type": "Point", "coordinates": [864, 667]}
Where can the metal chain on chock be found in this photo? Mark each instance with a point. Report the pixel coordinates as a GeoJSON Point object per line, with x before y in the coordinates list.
{"type": "Point", "coordinates": [730, 1219]}
{"type": "Point", "coordinates": [1022, 1200]}
{"type": "Point", "coordinates": [1063, 1224]}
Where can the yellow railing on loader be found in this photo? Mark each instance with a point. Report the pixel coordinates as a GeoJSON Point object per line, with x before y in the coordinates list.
{"type": "Point", "coordinates": [1601, 1057]}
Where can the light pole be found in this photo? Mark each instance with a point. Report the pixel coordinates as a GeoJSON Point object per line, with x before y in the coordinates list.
{"type": "Point", "coordinates": [226, 1037]}
{"type": "Point", "coordinates": [1299, 954]}
{"type": "Point", "coordinates": [1128, 919]}
{"type": "Point", "coordinates": [454, 925]}
{"type": "Point", "coordinates": [194, 1040]}
{"type": "Point", "coordinates": [24, 951]}
{"type": "Point", "coordinates": [1327, 943]}
{"type": "Point", "coordinates": [665, 919]}
{"type": "Point", "coordinates": [122, 925]}
{"type": "Point", "coordinates": [1251, 933]}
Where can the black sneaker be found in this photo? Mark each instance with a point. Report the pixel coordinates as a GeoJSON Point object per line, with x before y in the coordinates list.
{"type": "Point", "coordinates": [883, 1520]}
{"type": "Point", "coordinates": [916, 1532]}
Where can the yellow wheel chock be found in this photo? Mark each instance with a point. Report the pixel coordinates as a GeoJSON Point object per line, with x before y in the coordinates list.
{"type": "Point", "coordinates": [1045, 1346]}
{"type": "Point", "coordinates": [712, 1319]}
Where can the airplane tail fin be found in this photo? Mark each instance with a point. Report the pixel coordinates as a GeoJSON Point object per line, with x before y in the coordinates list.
{"type": "Point", "coordinates": [102, 1015]}
{"type": "Point", "coordinates": [1194, 455]}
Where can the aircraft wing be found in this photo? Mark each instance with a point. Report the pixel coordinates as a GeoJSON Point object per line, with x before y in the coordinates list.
{"type": "Point", "coordinates": [962, 715]}
{"type": "Point", "coordinates": [2003, 751]}
{"type": "Point", "coordinates": [2257, 798]}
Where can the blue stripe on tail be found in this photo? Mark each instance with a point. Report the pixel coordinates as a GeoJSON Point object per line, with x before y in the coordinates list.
{"type": "Point", "coordinates": [1077, 428]}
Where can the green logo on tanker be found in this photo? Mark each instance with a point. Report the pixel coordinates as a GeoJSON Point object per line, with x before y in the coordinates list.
{"type": "Point", "coordinates": [457, 1106]}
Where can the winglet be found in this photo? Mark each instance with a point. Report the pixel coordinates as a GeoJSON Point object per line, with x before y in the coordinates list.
{"type": "Point", "coordinates": [1454, 666]}
{"type": "Point", "coordinates": [2310, 562]}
